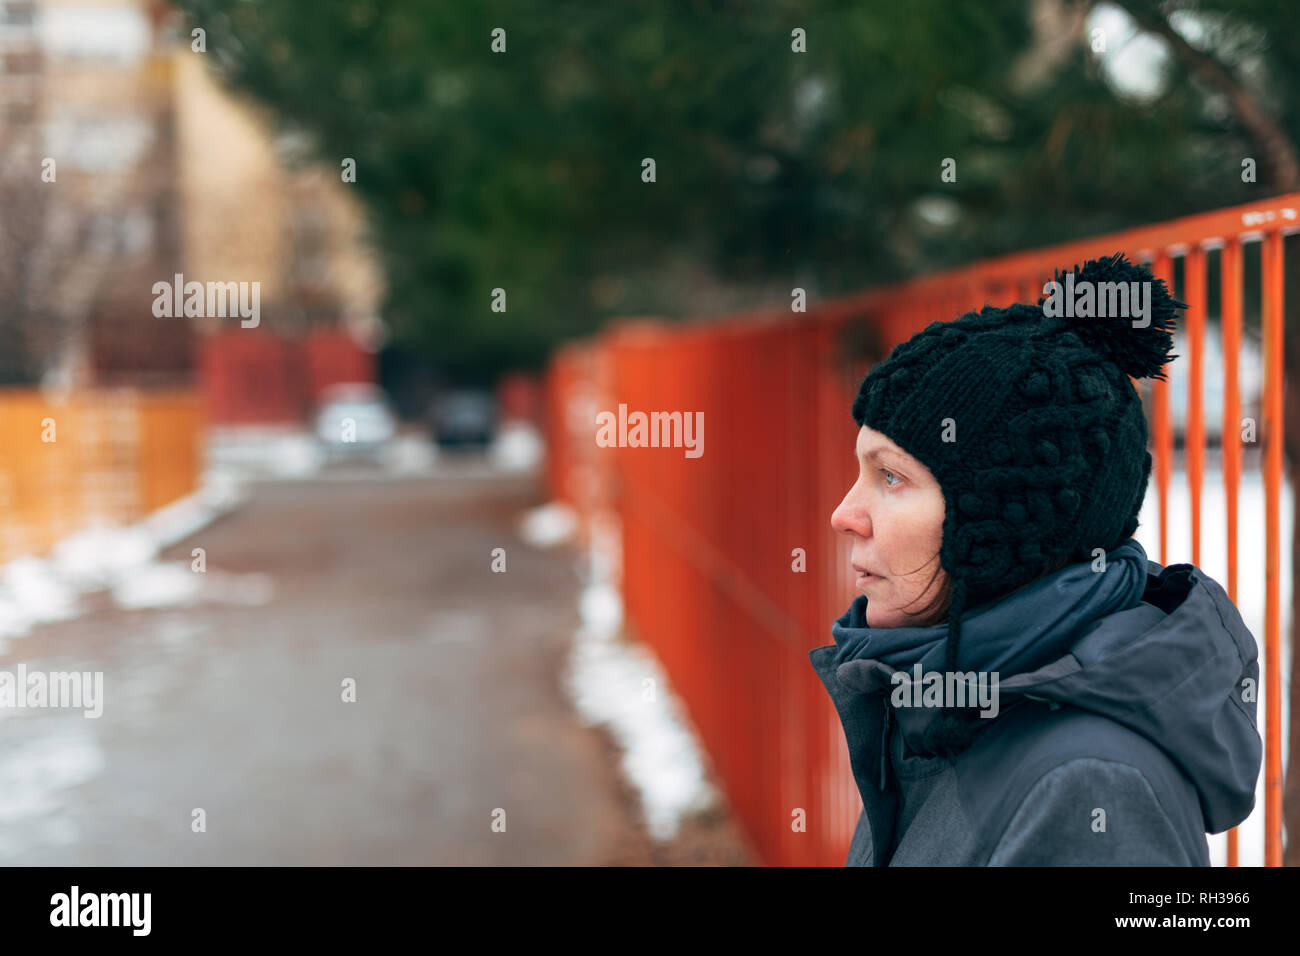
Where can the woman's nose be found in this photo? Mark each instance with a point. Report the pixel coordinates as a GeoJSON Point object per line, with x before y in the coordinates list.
{"type": "Point", "coordinates": [850, 517]}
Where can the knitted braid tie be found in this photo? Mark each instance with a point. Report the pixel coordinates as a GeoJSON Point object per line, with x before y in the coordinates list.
{"type": "Point", "coordinates": [951, 733]}
{"type": "Point", "coordinates": [957, 605]}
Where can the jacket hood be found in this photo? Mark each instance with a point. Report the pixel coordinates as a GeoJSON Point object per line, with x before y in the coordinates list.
{"type": "Point", "coordinates": [1181, 669]}
{"type": "Point", "coordinates": [1176, 665]}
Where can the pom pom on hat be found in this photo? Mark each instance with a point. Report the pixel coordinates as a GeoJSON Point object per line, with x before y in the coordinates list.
{"type": "Point", "coordinates": [1138, 351]}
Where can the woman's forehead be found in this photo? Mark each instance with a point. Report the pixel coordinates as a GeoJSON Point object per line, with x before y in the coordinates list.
{"type": "Point", "coordinates": [872, 444]}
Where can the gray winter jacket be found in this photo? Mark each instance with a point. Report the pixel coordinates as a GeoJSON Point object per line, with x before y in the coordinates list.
{"type": "Point", "coordinates": [1124, 751]}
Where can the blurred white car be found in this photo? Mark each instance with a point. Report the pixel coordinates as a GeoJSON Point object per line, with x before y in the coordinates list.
{"type": "Point", "coordinates": [354, 419]}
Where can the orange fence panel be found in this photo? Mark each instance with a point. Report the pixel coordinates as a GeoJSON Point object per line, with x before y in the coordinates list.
{"type": "Point", "coordinates": [730, 569]}
{"type": "Point", "coordinates": [106, 456]}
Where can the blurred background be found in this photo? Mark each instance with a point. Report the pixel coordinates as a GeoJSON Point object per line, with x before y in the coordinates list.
{"type": "Point", "coordinates": [384, 483]}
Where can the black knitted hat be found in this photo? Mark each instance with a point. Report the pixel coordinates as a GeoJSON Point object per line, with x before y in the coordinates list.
{"type": "Point", "coordinates": [1028, 421]}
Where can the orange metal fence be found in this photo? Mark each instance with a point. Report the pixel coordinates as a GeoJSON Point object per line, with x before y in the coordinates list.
{"type": "Point", "coordinates": [104, 456]}
{"type": "Point", "coordinates": [730, 569]}
{"type": "Point", "coordinates": [264, 378]}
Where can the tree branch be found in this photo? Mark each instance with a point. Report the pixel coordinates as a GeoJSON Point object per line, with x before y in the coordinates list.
{"type": "Point", "coordinates": [1281, 166]}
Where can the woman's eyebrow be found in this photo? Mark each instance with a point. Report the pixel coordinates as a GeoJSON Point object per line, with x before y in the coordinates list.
{"type": "Point", "coordinates": [885, 455]}
{"type": "Point", "coordinates": [878, 454]}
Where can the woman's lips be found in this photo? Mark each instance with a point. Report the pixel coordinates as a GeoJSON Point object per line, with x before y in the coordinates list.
{"type": "Point", "coordinates": [865, 577]}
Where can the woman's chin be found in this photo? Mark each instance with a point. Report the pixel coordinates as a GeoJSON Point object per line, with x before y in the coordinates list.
{"type": "Point", "coordinates": [880, 616]}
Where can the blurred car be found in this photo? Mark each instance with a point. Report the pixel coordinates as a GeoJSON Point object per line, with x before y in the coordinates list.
{"type": "Point", "coordinates": [463, 417]}
{"type": "Point", "coordinates": [355, 420]}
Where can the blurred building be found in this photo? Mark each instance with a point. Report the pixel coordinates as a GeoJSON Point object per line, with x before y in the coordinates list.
{"type": "Point", "coordinates": [23, 204]}
{"type": "Point", "coordinates": [123, 163]}
{"type": "Point", "coordinates": [256, 209]}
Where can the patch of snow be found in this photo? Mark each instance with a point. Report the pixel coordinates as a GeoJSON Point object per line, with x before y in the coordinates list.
{"type": "Point", "coordinates": [219, 493]}
{"type": "Point", "coordinates": [34, 772]}
{"type": "Point", "coordinates": [517, 446]}
{"type": "Point", "coordinates": [411, 455]}
{"type": "Point", "coordinates": [548, 525]}
{"type": "Point", "coordinates": [297, 456]}
{"type": "Point", "coordinates": [31, 592]}
{"type": "Point", "coordinates": [268, 452]}
{"type": "Point", "coordinates": [620, 684]}
{"type": "Point", "coordinates": [278, 451]}
{"type": "Point", "coordinates": [96, 557]}
{"type": "Point", "coordinates": [122, 561]}
{"type": "Point", "coordinates": [159, 585]}
{"type": "Point", "coordinates": [601, 608]}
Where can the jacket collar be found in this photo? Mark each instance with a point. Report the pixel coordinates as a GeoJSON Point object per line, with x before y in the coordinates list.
{"type": "Point", "coordinates": [859, 683]}
{"type": "Point", "coordinates": [1177, 667]}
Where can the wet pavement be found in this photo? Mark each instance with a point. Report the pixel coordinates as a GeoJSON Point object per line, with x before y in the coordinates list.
{"type": "Point", "coordinates": [237, 710]}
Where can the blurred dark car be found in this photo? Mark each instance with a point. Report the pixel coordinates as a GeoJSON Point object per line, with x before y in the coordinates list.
{"type": "Point", "coordinates": [463, 417]}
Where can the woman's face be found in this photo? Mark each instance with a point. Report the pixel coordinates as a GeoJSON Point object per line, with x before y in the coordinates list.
{"type": "Point", "coordinates": [894, 516]}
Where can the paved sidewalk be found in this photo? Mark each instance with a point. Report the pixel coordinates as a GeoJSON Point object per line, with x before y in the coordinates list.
{"type": "Point", "coordinates": [236, 709]}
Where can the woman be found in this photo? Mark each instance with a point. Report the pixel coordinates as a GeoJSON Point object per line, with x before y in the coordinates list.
{"type": "Point", "coordinates": [1018, 684]}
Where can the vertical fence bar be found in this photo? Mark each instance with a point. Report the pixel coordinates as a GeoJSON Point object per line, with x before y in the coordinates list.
{"type": "Point", "coordinates": [1230, 442]}
{"type": "Point", "coordinates": [1162, 268]}
{"type": "Point", "coordinates": [1272, 280]}
{"type": "Point", "coordinates": [1194, 435]}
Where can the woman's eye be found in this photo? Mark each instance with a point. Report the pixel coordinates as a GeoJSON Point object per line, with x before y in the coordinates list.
{"type": "Point", "coordinates": [889, 474]}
